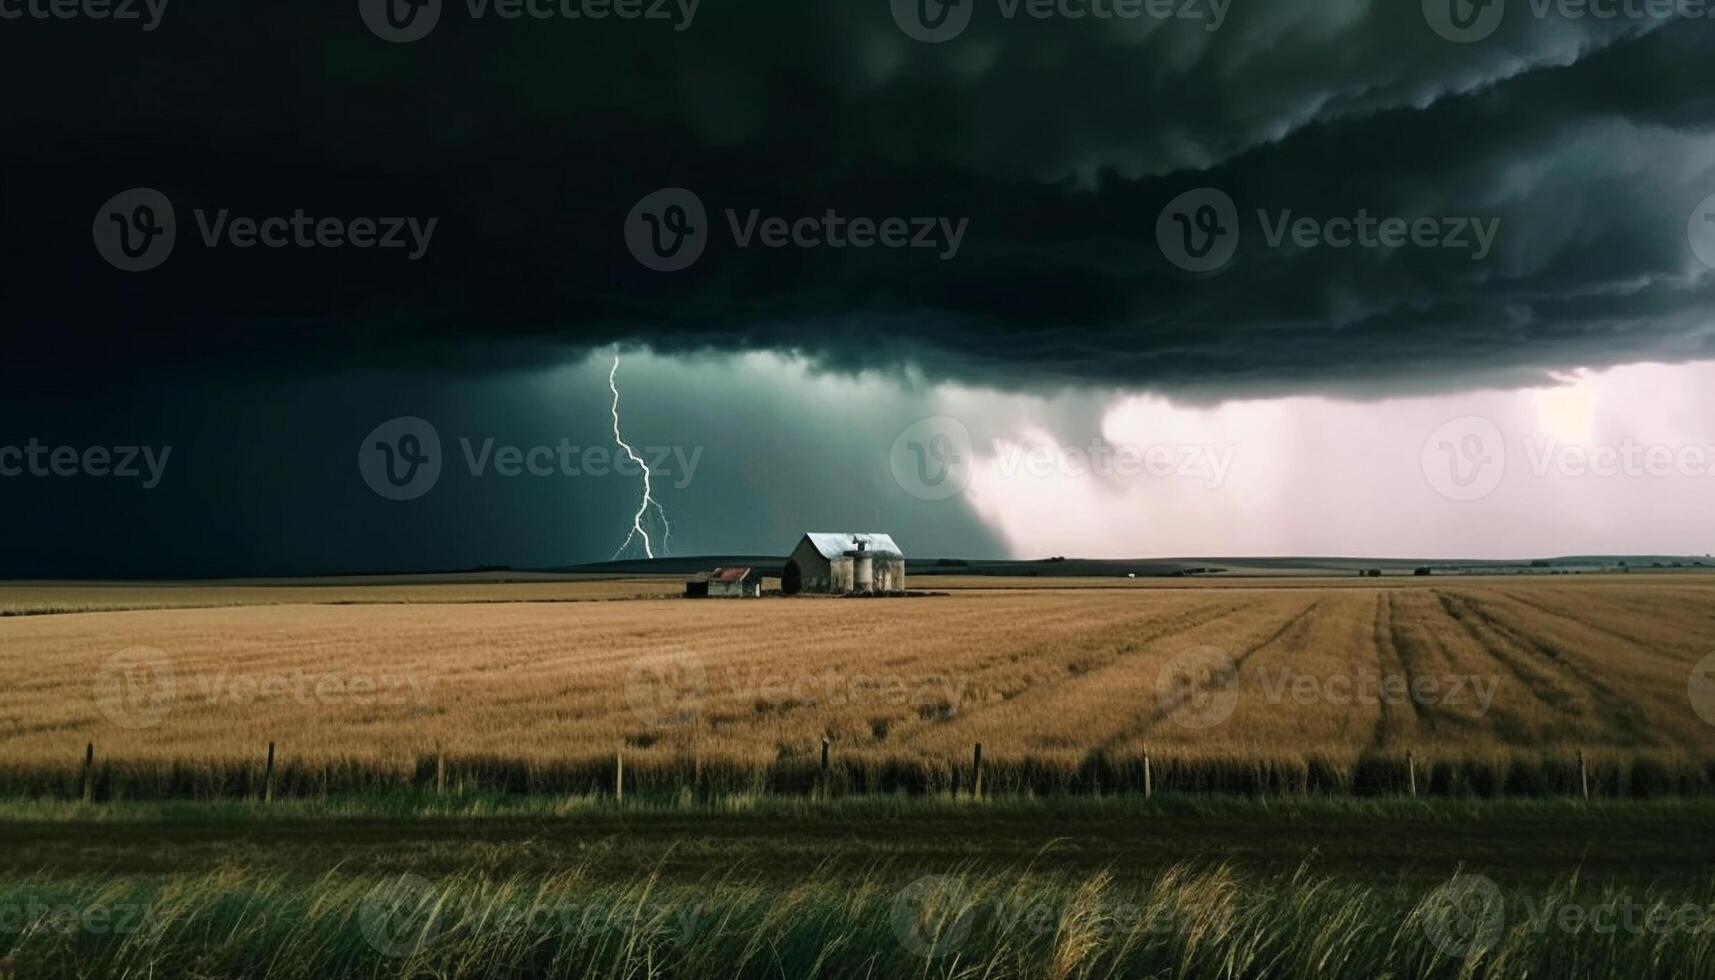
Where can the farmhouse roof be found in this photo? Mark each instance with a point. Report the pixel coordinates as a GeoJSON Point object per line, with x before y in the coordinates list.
{"type": "Point", "coordinates": [833, 544]}
{"type": "Point", "coordinates": [735, 573]}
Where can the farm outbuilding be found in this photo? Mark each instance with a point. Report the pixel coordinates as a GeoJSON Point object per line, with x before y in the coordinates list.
{"type": "Point", "coordinates": [844, 563]}
{"type": "Point", "coordinates": [735, 583]}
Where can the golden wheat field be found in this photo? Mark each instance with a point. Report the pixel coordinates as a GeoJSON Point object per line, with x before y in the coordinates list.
{"type": "Point", "coordinates": [1492, 685]}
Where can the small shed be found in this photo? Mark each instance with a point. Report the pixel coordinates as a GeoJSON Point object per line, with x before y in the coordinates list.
{"type": "Point", "coordinates": [697, 586]}
{"type": "Point", "coordinates": [737, 582]}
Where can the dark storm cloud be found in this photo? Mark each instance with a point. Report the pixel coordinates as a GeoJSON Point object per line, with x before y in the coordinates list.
{"type": "Point", "coordinates": [1060, 141]}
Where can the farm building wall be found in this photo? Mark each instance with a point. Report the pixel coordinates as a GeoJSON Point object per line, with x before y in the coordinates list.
{"type": "Point", "coordinates": [737, 589]}
{"type": "Point", "coordinates": [816, 574]}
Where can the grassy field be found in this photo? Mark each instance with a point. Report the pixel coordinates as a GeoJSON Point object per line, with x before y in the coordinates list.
{"type": "Point", "coordinates": [1186, 923]}
{"type": "Point", "coordinates": [414, 887]}
{"type": "Point", "coordinates": [1495, 685]}
{"type": "Point", "coordinates": [1280, 840]}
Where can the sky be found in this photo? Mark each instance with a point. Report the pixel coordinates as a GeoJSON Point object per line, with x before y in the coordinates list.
{"type": "Point", "coordinates": [1304, 277]}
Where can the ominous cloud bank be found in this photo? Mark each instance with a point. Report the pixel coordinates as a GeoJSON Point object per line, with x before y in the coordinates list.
{"type": "Point", "coordinates": [1060, 140]}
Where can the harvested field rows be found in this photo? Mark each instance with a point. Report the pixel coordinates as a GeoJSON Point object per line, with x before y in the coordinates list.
{"type": "Point", "coordinates": [1495, 686]}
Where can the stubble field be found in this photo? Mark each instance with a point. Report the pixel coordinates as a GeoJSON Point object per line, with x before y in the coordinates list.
{"type": "Point", "coordinates": [1494, 687]}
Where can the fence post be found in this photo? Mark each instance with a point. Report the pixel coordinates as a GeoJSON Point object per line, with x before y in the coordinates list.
{"type": "Point", "coordinates": [977, 773]}
{"type": "Point", "coordinates": [268, 777]}
{"type": "Point", "coordinates": [89, 772]}
{"type": "Point", "coordinates": [440, 770]}
{"type": "Point", "coordinates": [1584, 775]}
{"type": "Point", "coordinates": [1411, 771]}
{"type": "Point", "coordinates": [1148, 778]}
{"type": "Point", "coordinates": [619, 776]}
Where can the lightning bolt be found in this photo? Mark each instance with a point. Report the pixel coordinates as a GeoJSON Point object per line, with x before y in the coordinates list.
{"type": "Point", "coordinates": [648, 501]}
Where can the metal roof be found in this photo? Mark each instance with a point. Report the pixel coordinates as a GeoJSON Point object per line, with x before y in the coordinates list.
{"type": "Point", "coordinates": [833, 544]}
{"type": "Point", "coordinates": [734, 574]}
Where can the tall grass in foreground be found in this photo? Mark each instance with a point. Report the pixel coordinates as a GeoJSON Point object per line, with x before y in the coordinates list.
{"type": "Point", "coordinates": [1183, 923]}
